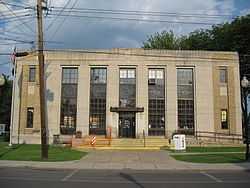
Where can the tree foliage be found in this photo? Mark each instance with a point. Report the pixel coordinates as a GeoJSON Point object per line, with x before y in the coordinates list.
{"type": "Point", "coordinates": [5, 101]}
{"type": "Point", "coordinates": [234, 36]}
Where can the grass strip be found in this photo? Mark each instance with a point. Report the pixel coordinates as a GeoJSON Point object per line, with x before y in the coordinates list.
{"type": "Point", "coordinates": [32, 152]}
{"type": "Point", "coordinates": [210, 149]}
{"type": "Point", "coordinates": [212, 158]}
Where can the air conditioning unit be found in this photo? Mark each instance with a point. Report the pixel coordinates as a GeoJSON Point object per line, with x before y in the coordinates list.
{"type": "Point", "coordinates": [151, 81]}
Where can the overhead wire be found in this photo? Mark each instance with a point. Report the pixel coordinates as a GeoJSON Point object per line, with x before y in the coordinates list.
{"type": "Point", "coordinates": [4, 63]}
{"type": "Point", "coordinates": [23, 5]}
{"type": "Point", "coordinates": [140, 14]}
{"type": "Point", "coordinates": [61, 11]}
{"type": "Point", "coordinates": [60, 25]}
{"type": "Point", "coordinates": [151, 12]}
{"type": "Point", "coordinates": [17, 40]}
{"type": "Point", "coordinates": [138, 19]}
{"type": "Point", "coordinates": [9, 36]}
{"type": "Point", "coordinates": [7, 6]}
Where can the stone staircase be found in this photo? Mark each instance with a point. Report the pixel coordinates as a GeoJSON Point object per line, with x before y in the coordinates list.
{"type": "Point", "coordinates": [122, 143]}
{"type": "Point", "coordinates": [149, 143]}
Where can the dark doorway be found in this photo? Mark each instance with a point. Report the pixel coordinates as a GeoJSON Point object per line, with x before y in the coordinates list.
{"type": "Point", "coordinates": [127, 124]}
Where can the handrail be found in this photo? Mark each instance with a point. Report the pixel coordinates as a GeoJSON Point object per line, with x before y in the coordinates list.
{"type": "Point", "coordinates": [213, 135]}
{"type": "Point", "coordinates": [219, 133]}
{"type": "Point", "coordinates": [144, 139]}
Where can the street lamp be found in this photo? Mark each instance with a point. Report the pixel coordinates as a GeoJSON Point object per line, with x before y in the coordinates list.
{"type": "Point", "coordinates": [245, 87]}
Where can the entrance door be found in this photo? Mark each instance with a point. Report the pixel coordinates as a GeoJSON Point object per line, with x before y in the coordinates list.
{"type": "Point", "coordinates": [127, 124]}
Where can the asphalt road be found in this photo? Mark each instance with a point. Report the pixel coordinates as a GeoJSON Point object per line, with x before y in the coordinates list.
{"type": "Point", "coordinates": [45, 178]}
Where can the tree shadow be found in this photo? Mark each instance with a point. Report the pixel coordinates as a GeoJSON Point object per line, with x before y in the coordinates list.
{"type": "Point", "coordinates": [131, 179]}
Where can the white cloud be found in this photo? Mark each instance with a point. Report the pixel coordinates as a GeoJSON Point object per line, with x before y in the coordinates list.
{"type": "Point", "coordinates": [245, 12]}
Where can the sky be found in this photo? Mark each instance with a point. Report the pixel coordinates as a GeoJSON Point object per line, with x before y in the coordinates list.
{"type": "Point", "coordinates": [62, 32]}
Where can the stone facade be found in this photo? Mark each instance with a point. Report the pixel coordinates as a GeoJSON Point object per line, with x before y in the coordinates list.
{"type": "Point", "coordinates": [209, 95]}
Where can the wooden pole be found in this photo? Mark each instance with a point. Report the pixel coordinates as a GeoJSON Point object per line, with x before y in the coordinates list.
{"type": "Point", "coordinates": [44, 144]}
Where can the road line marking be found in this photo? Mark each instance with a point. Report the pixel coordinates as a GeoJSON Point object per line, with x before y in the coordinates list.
{"type": "Point", "coordinates": [212, 177]}
{"type": "Point", "coordinates": [70, 175]}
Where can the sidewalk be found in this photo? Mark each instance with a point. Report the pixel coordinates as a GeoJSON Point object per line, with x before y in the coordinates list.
{"type": "Point", "coordinates": [117, 160]}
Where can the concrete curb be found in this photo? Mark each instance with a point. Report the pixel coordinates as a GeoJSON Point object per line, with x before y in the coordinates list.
{"type": "Point", "coordinates": [122, 166]}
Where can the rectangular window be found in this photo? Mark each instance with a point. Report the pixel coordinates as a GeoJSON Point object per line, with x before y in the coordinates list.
{"type": "Point", "coordinates": [69, 100]}
{"type": "Point", "coordinates": [98, 87]}
{"type": "Point", "coordinates": [30, 117]}
{"type": "Point", "coordinates": [32, 74]}
{"type": "Point", "coordinates": [185, 95]}
{"type": "Point", "coordinates": [127, 88]}
{"type": "Point", "coordinates": [223, 75]}
{"type": "Point", "coordinates": [156, 102]}
{"type": "Point", "coordinates": [224, 118]}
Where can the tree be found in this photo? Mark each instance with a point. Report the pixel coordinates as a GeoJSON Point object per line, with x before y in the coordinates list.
{"type": "Point", "coordinates": [5, 102]}
{"type": "Point", "coordinates": [234, 36]}
{"type": "Point", "coordinates": [163, 40]}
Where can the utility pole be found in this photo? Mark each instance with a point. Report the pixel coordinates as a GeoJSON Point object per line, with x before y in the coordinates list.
{"type": "Point", "coordinates": [44, 144]}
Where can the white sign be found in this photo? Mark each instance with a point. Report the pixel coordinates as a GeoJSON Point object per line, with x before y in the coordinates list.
{"type": "Point", "coordinates": [179, 142]}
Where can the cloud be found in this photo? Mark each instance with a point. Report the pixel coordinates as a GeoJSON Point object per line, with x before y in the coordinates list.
{"type": "Point", "coordinates": [98, 33]}
{"type": "Point", "coordinates": [245, 12]}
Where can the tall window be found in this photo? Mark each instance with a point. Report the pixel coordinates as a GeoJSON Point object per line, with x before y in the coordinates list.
{"type": "Point", "coordinates": [69, 100]}
{"type": "Point", "coordinates": [156, 102]}
{"type": "Point", "coordinates": [32, 74]}
{"type": "Point", "coordinates": [127, 88]}
{"type": "Point", "coordinates": [185, 94]}
{"type": "Point", "coordinates": [224, 122]}
{"type": "Point", "coordinates": [97, 116]}
{"type": "Point", "coordinates": [30, 117]}
{"type": "Point", "coordinates": [223, 75]}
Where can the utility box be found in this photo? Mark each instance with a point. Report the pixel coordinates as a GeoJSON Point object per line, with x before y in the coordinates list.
{"type": "Point", "coordinates": [179, 141]}
{"type": "Point", "coordinates": [2, 129]}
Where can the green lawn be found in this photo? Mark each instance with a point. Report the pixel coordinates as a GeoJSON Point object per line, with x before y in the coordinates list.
{"type": "Point", "coordinates": [213, 149]}
{"type": "Point", "coordinates": [33, 153]}
{"type": "Point", "coordinates": [212, 158]}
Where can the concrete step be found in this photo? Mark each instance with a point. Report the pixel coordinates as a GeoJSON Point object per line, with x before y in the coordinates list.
{"type": "Point", "coordinates": [157, 142]}
{"type": "Point", "coordinates": [118, 148]}
{"type": "Point", "coordinates": [121, 143]}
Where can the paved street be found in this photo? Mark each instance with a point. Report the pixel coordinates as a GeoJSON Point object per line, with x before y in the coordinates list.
{"type": "Point", "coordinates": [38, 178]}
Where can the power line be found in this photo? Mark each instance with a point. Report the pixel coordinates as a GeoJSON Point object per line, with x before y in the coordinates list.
{"type": "Point", "coordinates": [16, 5]}
{"type": "Point", "coordinates": [16, 15]}
{"type": "Point", "coordinates": [5, 54]}
{"type": "Point", "coordinates": [4, 63]}
{"type": "Point", "coordinates": [13, 37]}
{"type": "Point", "coordinates": [61, 11]}
{"type": "Point", "coordinates": [17, 40]}
{"type": "Point", "coordinates": [8, 13]}
{"type": "Point", "coordinates": [138, 19]}
{"type": "Point", "coordinates": [141, 14]}
{"type": "Point", "coordinates": [13, 43]}
{"type": "Point", "coordinates": [16, 33]}
{"type": "Point", "coordinates": [147, 12]}
{"type": "Point", "coordinates": [18, 19]}
{"type": "Point", "coordinates": [60, 25]}
{"type": "Point", "coordinates": [18, 26]}
{"type": "Point", "coordinates": [11, 18]}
